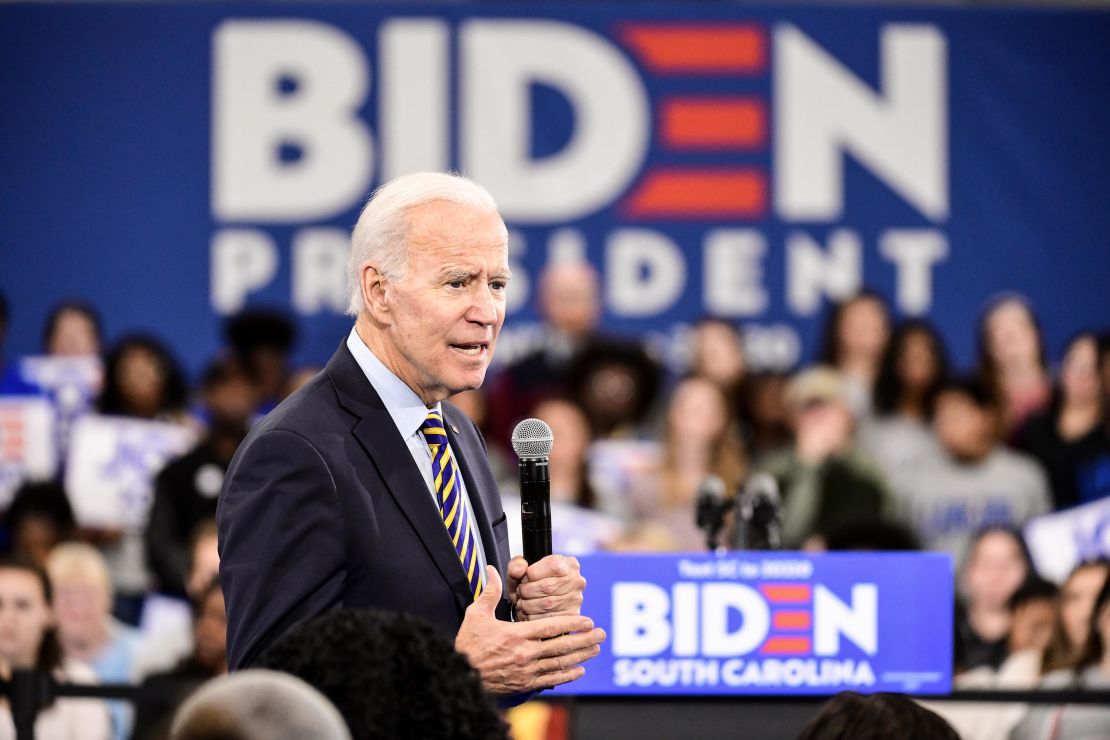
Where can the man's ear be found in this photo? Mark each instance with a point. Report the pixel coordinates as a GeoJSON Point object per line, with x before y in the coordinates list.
{"type": "Point", "coordinates": [374, 286]}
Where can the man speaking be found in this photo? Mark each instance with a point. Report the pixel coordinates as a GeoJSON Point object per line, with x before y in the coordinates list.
{"type": "Point", "coordinates": [366, 489]}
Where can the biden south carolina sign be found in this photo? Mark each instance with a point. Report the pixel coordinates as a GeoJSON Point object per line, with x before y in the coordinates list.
{"type": "Point", "coordinates": [783, 623]}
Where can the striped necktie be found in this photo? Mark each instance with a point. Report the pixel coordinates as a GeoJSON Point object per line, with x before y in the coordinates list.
{"type": "Point", "coordinates": [452, 503]}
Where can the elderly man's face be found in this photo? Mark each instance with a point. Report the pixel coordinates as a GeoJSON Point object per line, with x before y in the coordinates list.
{"type": "Point", "coordinates": [446, 313]}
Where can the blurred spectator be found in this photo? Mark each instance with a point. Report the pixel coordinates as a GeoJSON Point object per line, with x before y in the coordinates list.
{"type": "Point", "coordinates": [1072, 430]}
{"type": "Point", "coordinates": [898, 437]}
{"type": "Point", "coordinates": [855, 337]}
{"type": "Point", "coordinates": [1046, 722]}
{"type": "Point", "coordinates": [566, 464]}
{"type": "Point", "coordinates": [171, 635]}
{"type": "Point", "coordinates": [29, 640]}
{"type": "Point", "coordinates": [1012, 359]}
{"type": "Point", "coordinates": [616, 383]}
{"type": "Point", "coordinates": [258, 705]}
{"type": "Point", "coordinates": [824, 481]}
{"type": "Point", "coordinates": [852, 716]}
{"type": "Point", "coordinates": [39, 518]}
{"type": "Point", "coordinates": [1076, 604]}
{"type": "Point", "coordinates": [568, 301]}
{"type": "Point", "coordinates": [1033, 607]}
{"type": "Point", "coordinates": [475, 405]}
{"type": "Point", "coordinates": [187, 489]}
{"type": "Point", "coordinates": [263, 340]}
{"type": "Point", "coordinates": [141, 379]}
{"type": "Point", "coordinates": [701, 439]}
{"type": "Point", "coordinates": [718, 356]}
{"type": "Point", "coordinates": [977, 483]}
{"type": "Point", "coordinates": [163, 692]}
{"type": "Point", "coordinates": [72, 330]}
{"type": "Point", "coordinates": [86, 630]}
{"type": "Point", "coordinates": [763, 410]}
{"type": "Point", "coordinates": [390, 675]}
{"type": "Point", "coordinates": [997, 565]}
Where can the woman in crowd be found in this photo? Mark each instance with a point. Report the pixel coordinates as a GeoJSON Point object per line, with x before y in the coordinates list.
{"type": "Point", "coordinates": [1092, 671]}
{"type": "Point", "coordinates": [28, 640]}
{"type": "Point", "coordinates": [763, 411]}
{"type": "Point", "coordinates": [72, 330]}
{"type": "Point", "coordinates": [142, 380]}
{"type": "Point", "coordinates": [1072, 429]}
{"type": "Point", "coordinates": [718, 356]}
{"type": "Point", "coordinates": [898, 438]}
{"type": "Point", "coordinates": [997, 564]}
{"type": "Point", "coordinates": [700, 440]}
{"type": "Point", "coordinates": [86, 630]}
{"type": "Point", "coordinates": [567, 467]}
{"type": "Point", "coordinates": [1012, 359]}
{"type": "Point", "coordinates": [1076, 603]}
{"type": "Point", "coordinates": [856, 335]}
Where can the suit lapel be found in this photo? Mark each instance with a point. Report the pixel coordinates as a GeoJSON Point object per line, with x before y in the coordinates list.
{"type": "Point", "coordinates": [378, 436]}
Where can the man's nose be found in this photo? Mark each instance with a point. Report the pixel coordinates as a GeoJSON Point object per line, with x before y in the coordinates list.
{"type": "Point", "coordinates": [483, 307]}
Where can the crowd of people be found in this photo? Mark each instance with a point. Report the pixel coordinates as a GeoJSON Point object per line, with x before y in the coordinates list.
{"type": "Point", "coordinates": [879, 445]}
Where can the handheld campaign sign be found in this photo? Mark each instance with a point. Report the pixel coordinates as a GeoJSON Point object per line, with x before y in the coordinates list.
{"type": "Point", "coordinates": [27, 449]}
{"type": "Point", "coordinates": [782, 623]}
{"type": "Point", "coordinates": [112, 465]}
{"type": "Point", "coordinates": [1060, 541]}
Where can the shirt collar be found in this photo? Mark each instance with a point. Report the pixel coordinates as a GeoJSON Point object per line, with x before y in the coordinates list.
{"type": "Point", "coordinates": [404, 406]}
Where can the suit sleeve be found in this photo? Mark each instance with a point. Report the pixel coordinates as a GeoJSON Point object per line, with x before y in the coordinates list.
{"type": "Point", "coordinates": [282, 555]}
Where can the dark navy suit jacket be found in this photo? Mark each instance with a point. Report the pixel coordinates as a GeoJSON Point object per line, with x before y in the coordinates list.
{"type": "Point", "coordinates": [323, 507]}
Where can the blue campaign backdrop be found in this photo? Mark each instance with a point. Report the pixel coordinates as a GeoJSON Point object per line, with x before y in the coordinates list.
{"type": "Point", "coordinates": [980, 133]}
{"type": "Point", "coordinates": [769, 623]}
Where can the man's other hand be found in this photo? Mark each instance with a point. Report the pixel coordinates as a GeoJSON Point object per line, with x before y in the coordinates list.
{"type": "Point", "coordinates": [517, 657]}
{"type": "Point", "coordinates": [551, 587]}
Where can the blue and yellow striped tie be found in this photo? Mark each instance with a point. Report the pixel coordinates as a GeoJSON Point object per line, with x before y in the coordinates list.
{"type": "Point", "coordinates": [452, 504]}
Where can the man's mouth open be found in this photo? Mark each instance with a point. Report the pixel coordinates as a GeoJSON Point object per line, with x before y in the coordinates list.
{"type": "Point", "coordinates": [472, 349]}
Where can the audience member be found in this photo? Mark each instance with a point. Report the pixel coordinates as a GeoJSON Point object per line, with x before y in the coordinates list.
{"type": "Point", "coordinates": [162, 693]}
{"type": "Point", "coordinates": [263, 340]}
{"type": "Point", "coordinates": [897, 437]}
{"type": "Point", "coordinates": [852, 716]}
{"type": "Point", "coordinates": [86, 629]}
{"type": "Point", "coordinates": [187, 489]}
{"type": "Point", "coordinates": [868, 533]}
{"type": "Point", "coordinates": [29, 640]}
{"type": "Point", "coordinates": [1076, 604]}
{"type": "Point", "coordinates": [72, 330]}
{"type": "Point", "coordinates": [997, 565]}
{"type": "Point", "coordinates": [38, 519]}
{"type": "Point", "coordinates": [566, 464]}
{"type": "Point", "coordinates": [1012, 359]}
{"type": "Point", "coordinates": [258, 705]}
{"type": "Point", "coordinates": [568, 300]}
{"type": "Point", "coordinates": [616, 383]}
{"type": "Point", "coordinates": [718, 356]}
{"type": "Point", "coordinates": [701, 439]}
{"type": "Point", "coordinates": [823, 480]}
{"type": "Point", "coordinates": [1092, 671]}
{"type": "Point", "coordinates": [170, 639]}
{"type": "Point", "coordinates": [1034, 609]}
{"type": "Point", "coordinates": [1072, 430]}
{"type": "Point", "coordinates": [977, 483]}
{"type": "Point", "coordinates": [856, 334]}
{"type": "Point", "coordinates": [141, 379]}
{"type": "Point", "coordinates": [763, 411]}
{"type": "Point", "coordinates": [390, 675]}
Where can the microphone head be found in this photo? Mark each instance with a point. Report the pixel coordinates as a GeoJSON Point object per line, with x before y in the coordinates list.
{"type": "Point", "coordinates": [532, 438]}
{"type": "Point", "coordinates": [763, 486]}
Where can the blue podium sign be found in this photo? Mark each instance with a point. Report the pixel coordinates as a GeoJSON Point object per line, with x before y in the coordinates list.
{"type": "Point", "coordinates": [781, 623]}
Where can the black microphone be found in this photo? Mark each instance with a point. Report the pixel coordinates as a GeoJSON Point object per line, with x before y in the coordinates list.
{"type": "Point", "coordinates": [711, 507]}
{"type": "Point", "coordinates": [532, 441]}
{"type": "Point", "coordinates": [760, 514]}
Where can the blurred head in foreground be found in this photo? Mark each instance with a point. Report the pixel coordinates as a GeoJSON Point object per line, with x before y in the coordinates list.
{"type": "Point", "coordinates": [852, 716]}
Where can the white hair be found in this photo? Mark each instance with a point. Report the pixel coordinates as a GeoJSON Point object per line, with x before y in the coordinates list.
{"type": "Point", "coordinates": [258, 705]}
{"type": "Point", "coordinates": [381, 233]}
